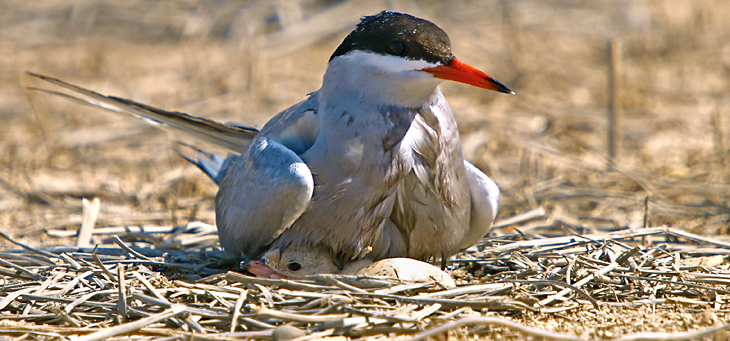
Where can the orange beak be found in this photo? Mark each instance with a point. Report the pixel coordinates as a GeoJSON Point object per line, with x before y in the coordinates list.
{"type": "Point", "coordinates": [461, 72]}
{"type": "Point", "coordinates": [260, 269]}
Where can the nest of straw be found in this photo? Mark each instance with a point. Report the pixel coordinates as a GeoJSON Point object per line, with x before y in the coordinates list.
{"type": "Point", "coordinates": [158, 284]}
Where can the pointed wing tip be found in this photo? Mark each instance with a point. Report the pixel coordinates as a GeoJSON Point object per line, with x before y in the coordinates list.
{"type": "Point", "coordinates": [37, 75]}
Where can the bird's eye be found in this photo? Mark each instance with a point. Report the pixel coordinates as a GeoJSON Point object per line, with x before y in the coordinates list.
{"type": "Point", "coordinates": [294, 266]}
{"type": "Point", "coordinates": [396, 47]}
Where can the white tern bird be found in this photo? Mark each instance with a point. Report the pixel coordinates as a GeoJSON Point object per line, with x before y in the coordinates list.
{"type": "Point", "coordinates": [370, 165]}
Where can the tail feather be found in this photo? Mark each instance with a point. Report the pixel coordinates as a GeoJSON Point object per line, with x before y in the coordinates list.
{"type": "Point", "coordinates": [214, 166]}
{"type": "Point", "coordinates": [232, 138]}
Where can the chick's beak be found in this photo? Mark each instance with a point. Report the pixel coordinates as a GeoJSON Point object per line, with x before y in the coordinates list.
{"type": "Point", "coordinates": [260, 269]}
{"type": "Point", "coordinates": [461, 72]}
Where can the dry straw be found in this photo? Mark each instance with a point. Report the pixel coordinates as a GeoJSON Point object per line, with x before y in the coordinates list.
{"type": "Point", "coordinates": [128, 287]}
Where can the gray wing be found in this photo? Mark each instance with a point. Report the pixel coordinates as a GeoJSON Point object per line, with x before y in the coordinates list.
{"type": "Point", "coordinates": [262, 193]}
{"type": "Point", "coordinates": [265, 190]}
{"type": "Point", "coordinates": [233, 138]}
{"type": "Point", "coordinates": [297, 127]}
{"type": "Point", "coordinates": [484, 202]}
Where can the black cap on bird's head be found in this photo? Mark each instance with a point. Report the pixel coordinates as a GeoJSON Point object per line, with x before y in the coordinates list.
{"type": "Point", "coordinates": [398, 34]}
{"type": "Point", "coordinates": [403, 35]}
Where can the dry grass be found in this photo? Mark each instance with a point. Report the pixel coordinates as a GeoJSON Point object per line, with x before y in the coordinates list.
{"type": "Point", "coordinates": [245, 61]}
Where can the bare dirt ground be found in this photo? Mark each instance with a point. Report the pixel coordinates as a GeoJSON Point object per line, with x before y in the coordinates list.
{"type": "Point", "coordinates": [245, 61]}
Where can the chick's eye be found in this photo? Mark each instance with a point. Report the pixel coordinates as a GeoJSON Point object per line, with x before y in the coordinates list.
{"type": "Point", "coordinates": [396, 47]}
{"type": "Point", "coordinates": [294, 266]}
